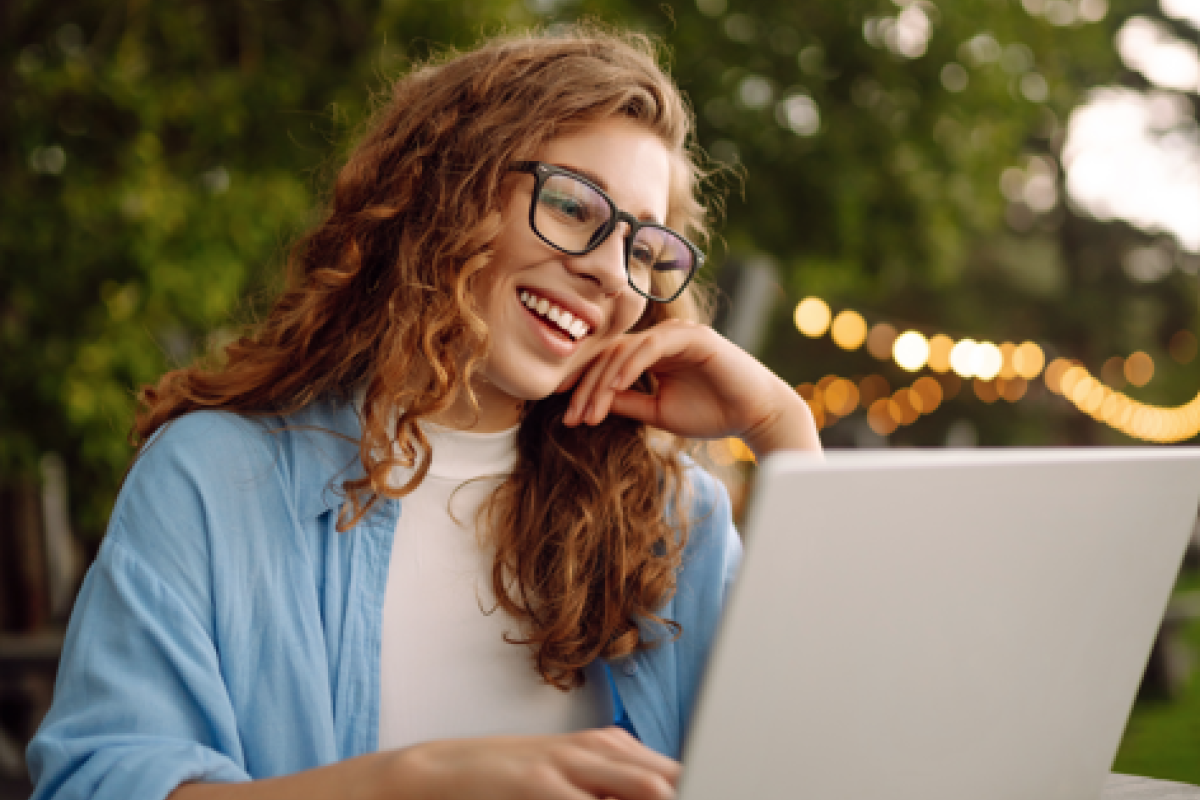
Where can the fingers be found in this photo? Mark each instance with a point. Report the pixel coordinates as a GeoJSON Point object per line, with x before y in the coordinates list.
{"type": "Point", "coordinates": [580, 409]}
{"type": "Point", "coordinates": [592, 764]}
{"type": "Point", "coordinates": [636, 406]}
{"type": "Point", "coordinates": [618, 368]}
{"type": "Point", "coordinates": [611, 763]}
{"type": "Point", "coordinates": [599, 777]}
{"type": "Point", "coordinates": [619, 744]}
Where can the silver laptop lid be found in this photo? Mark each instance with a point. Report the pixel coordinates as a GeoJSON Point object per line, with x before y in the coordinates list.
{"type": "Point", "coordinates": [940, 625]}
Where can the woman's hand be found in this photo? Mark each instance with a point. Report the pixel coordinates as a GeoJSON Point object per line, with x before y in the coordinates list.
{"type": "Point", "coordinates": [707, 387]}
{"type": "Point", "coordinates": [602, 763]}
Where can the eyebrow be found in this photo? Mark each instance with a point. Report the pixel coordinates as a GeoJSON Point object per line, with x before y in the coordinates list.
{"type": "Point", "coordinates": [596, 179]}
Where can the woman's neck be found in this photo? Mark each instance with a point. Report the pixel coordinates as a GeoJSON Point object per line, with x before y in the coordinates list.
{"type": "Point", "coordinates": [498, 411]}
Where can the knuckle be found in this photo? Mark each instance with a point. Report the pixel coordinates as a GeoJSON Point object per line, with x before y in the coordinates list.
{"type": "Point", "coordinates": [649, 785]}
{"type": "Point", "coordinates": [593, 738]}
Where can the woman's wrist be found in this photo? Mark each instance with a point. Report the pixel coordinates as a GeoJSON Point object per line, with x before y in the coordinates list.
{"type": "Point", "coordinates": [790, 426]}
{"type": "Point", "coordinates": [376, 776]}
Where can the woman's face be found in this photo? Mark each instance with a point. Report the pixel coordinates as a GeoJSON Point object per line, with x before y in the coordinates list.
{"type": "Point", "coordinates": [531, 355]}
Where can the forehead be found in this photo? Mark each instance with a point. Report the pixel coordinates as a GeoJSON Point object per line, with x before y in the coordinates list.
{"type": "Point", "coordinates": [624, 158]}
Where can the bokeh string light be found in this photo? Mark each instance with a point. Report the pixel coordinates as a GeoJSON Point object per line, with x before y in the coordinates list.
{"type": "Point", "coordinates": [996, 372]}
{"type": "Point", "coordinates": [1118, 410]}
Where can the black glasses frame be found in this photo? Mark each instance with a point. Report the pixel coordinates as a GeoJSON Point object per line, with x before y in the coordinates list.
{"type": "Point", "coordinates": [542, 172]}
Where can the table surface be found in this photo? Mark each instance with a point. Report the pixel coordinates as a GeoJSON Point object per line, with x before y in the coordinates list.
{"type": "Point", "coordinates": [1129, 787]}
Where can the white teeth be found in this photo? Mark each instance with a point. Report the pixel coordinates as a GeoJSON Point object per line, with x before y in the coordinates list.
{"type": "Point", "coordinates": [565, 320]}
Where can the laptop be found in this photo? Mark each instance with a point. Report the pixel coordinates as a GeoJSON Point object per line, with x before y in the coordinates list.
{"type": "Point", "coordinates": [940, 625]}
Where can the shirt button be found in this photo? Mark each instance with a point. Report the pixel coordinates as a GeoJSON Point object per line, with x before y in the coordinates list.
{"type": "Point", "coordinates": [629, 667]}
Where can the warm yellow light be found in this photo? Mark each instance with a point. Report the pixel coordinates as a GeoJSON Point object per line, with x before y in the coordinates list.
{"type": "Point", "coordinates": [1072, 376]}
{"type": "Point", "coordinates": [1080, 387]}
{"type": "Point", "coordinates": [1054, 374]}
{"type": "Point", "coordinates": [812, 316]}
{"type": "Point", "coordinates": [1028, 360]}
{"type": "Point", "coordinates": [849, 330]}
{"type": "Point", "coordinates": [1139, 369]}
{"type": "Point", "coordinates": [739, 449]}
{"type": "Point", "coordinates": [986, 361]}
{"type": "Point", "coordinates": [962, 358]}
{"type": "Point", "coordinates": [910, 350]}
{"type": "Point", "coordinates": [841, 397]}
{"type": "Point", "coordinates": [939, 352]}
{"type": "Point", "coordinates": [901, 408]}
{"type": "Point", "coordinates": [1013, 389]}
{"type": "Point", "coordinates": [880, 339]}
{"type": "Point", "coordinates": [930, 392]}
{"type": "Point", "coordinates": [1007, 369]}
{"type": "Point", "coordinates": [1125, 417]}
{"type": "Point", "coordinates": [1095, 399]}
{"type": "Point", "coordinates": [1110, 412]}
{"type": "Point", "coordinates": [880, 418]}
{"type": "Point", "coordinates": [987, 391]}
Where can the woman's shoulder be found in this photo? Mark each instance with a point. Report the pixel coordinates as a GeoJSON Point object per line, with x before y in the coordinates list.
{"type": "Point", "coordinates": [222, 470]}
{"type": "Point", "coordinates": [209, 434]}
{"type": "Point", "coordinates": [201, 468]}
{"type": "Point", "coordinates": [225, 447]}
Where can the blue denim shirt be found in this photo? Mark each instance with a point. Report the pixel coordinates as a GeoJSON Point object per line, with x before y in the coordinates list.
{"type": "Point", "coordinates": [227, 631]}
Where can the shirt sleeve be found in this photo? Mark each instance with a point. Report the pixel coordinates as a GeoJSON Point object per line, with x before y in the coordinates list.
{"type": "Point", "coordinates": [140, 706]}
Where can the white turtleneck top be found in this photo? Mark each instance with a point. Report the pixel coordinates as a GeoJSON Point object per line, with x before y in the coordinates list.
{"type": "Point", "coordinates": [446, 671]}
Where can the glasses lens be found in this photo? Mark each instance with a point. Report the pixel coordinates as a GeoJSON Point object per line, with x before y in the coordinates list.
{"type": "Point", "coordinates": [569, 213]}
{"type": "Point", "coordinates": [660, 262]}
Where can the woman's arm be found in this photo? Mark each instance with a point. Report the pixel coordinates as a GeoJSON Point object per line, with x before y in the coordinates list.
{"type": "Point", "coordinates": [607, 763]}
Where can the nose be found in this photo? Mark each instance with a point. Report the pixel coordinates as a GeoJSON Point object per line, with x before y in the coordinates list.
{"type": "Point", "coordinates": [606, 264]}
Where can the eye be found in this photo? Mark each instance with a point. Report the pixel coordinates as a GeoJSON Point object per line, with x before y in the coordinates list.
{"type": "Point", "coordinates": [642, 255]}
{"type": "Point", "coordinates": [565, 206]}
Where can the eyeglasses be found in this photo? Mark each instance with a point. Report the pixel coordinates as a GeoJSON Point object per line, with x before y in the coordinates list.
{"type": "Point", "coordinates": [573, 215]}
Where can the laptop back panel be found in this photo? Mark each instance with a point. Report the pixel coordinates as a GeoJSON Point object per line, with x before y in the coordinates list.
{"type": "Point", "coordinates": [940, 625]}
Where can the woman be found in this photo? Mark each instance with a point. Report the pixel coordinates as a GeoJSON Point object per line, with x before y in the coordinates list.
{"type": "Point", "coordinates": [494, 330]}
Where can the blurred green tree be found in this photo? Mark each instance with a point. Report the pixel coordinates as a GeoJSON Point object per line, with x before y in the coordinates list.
{"type": "Point", "coordinates": [158, 157]}
{"type": "Point", "coordinates": [156, 160]}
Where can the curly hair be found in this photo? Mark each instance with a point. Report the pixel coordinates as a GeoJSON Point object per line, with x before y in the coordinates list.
{"type": "Point", "coordinates": [589, 529]}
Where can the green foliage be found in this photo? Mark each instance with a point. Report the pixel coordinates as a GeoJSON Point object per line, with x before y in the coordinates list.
{"type": "Point", "coordinates": [159, 158]}
{"type": "Point", "coordinates": [1163, 737]}
{"type": "Point", "coordinates": [156, 161]}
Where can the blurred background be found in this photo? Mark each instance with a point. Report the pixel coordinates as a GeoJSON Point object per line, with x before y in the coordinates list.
{"type": "Point", "coordinates": [963, 223]}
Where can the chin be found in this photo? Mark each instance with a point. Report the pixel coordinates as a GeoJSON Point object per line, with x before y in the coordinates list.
{"type": "Point", "coordinates": [528, 387]}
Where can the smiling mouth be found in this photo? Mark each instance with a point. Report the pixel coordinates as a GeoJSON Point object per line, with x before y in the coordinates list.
{"type": "Point", "coordinates": [563, 321]}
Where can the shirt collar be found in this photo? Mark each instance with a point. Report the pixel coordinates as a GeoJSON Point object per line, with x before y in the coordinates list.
{"type": "Point", "coordinates": [320, 443]}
